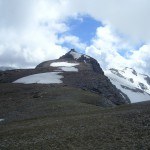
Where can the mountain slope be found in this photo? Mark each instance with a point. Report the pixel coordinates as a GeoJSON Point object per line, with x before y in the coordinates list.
{"type": "Point", "coordinates": [50, 117]}
{"type": "Point", "coordinates": [74, 70]}
{"type": "Point", "coordinates": [3, 68]}
{"type": "Point", "coordinates": [85, 73]}
{"type": "Point", "coordinates": [135, 85]}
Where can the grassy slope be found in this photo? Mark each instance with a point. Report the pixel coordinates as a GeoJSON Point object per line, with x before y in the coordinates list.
{"type": "Point", "coordinates": [67, 119]}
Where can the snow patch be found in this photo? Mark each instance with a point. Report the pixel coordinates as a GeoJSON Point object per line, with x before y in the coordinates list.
{"type": "Point", "coordinates": [75, 55]}
{"type": "Point", "coordinates": [69, 69]}
{"type": "Point", "coordinates": [42, 78]}
{"type": "Point", "coordinates": [63, 64]}
{"type": "Point", "coordinates": [1, 120]}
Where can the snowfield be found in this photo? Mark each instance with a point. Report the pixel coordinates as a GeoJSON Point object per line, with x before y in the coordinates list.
{"type": "Point", "coordinates": [42, 78]}
{"type": "Point", "coordinates": [133, 96]}
{"type": "Point", "coordinates": [63, 64]}
{"type": "Point", "coordinates": [130, 83]}
{"type": "Point", "coordinates": [69, 69]}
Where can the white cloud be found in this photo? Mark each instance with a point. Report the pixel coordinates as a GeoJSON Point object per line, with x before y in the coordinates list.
{"type": "Point", "coordinates": [140, 59]}
{"type": "Point", "coordinates": [129, 17]}
{"type": "Point", "coordinates": [29, 31]}
{"type": "Point", "coordinates": [72, 40]}
{"type": "Point", "coordinates": [106, 47]}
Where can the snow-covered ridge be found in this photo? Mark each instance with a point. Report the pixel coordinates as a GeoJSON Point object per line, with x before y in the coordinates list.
{"type": "Point", "coordinates": [132, 78]}
{"type": "Point", "coordinates": [131, 83]}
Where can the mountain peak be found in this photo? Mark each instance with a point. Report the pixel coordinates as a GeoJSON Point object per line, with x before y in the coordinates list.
{"type": "Point", "coordinates": [73, 54]}
{"type": "Point", "coordinates": [73, 50]}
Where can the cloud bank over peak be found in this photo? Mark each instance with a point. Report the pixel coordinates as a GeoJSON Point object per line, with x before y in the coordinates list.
{"type": "Point", "coordinates": [32, 31]}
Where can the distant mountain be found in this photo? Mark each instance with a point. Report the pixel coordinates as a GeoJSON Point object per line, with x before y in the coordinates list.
{"type": "Point", "coordinates": [4, 68]}
{"type": "Point", "coordinates": [72, 69]}
{"type": "Point", "coordinates": [135, 85]}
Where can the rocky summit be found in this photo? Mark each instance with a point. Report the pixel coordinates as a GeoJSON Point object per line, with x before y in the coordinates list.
{"type": "Point", "coordinates": [72, 69]}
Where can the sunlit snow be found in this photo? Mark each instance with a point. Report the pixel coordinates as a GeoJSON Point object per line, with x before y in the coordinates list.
{"type": "Point", "coordinates": [75, 55]}
{"type": "Point", "coordinates": [69, 69]}
{"type": "Point", "coordinates": [43, 78]}
{"type": "Point", "coordinates": [63, 64]}
{"type": "Point", "coordinates": [133, 96]}
{"type": "Point", "coordinates": [128, 74]}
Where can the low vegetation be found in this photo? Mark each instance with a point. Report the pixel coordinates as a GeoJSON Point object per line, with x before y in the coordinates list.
{"type": "Point", "coordinates": [45, 117]}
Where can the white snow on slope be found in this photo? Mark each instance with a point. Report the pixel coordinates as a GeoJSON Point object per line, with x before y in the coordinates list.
{"type": "Point", "coordinates": [138, 78]}
{"type": "Point", "coordinates": [75, 55]}
{"type": "Point", "coordinates": [133, 96]}
{"type": "Point", "coordinates": [42, 78]}
{"type": "Point", "coordinates": [1, 120]}
{"type": "Point", "coordinates": [69, 69]}
{"type": "Point", "coordinates": [63, 64]}
{"type": "Point", "coordinates": [78, 55]}
{"type": "Point", "coordinates": [130, 79]}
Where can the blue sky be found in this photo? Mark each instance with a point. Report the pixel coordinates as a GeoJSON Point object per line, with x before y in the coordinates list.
{"type": "Point", "coordinates": [83, 27]}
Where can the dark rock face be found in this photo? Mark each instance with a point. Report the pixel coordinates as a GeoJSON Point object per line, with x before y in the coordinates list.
{"type": "Point", "coordinates": [96, 83]}
{"type": "Point", "coordinates": [134, 90]}
{"type": "Point", "coordinates": [131, 80]}
{"type": "Point", "coordinates": [147, 78]}
{"type": "Point", "coordinates": [133, 71]}
{"type": "Point", "coordinates": [115, 71]}
{"type": "Point", "coordinates": [143, 87]}
{"type": "Point", "coordinates": [89, 77]}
